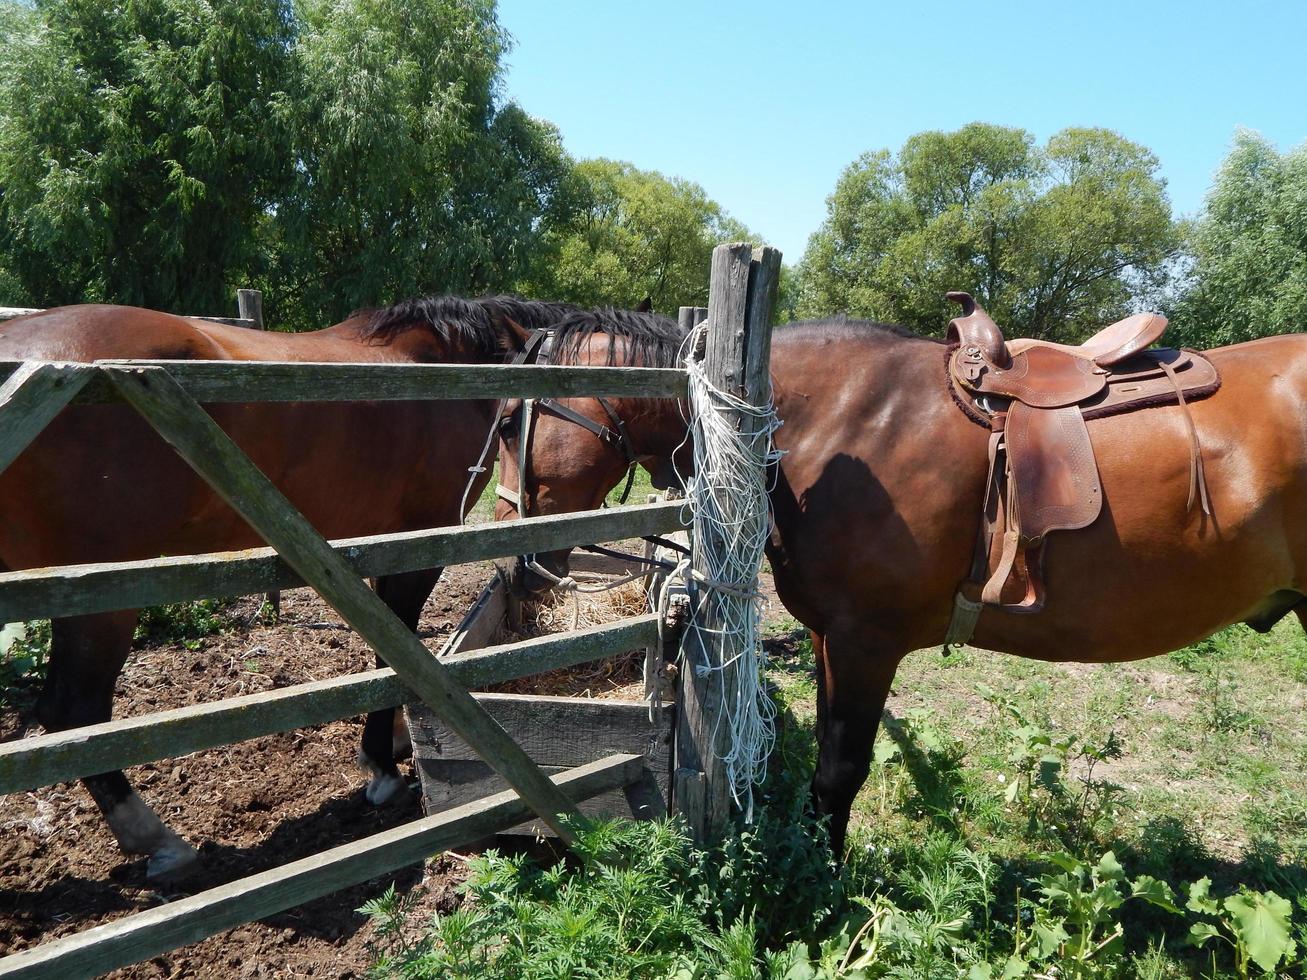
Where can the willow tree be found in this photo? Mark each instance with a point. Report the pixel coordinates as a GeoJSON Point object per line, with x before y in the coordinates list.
{"type": "Point", "coordinates": [1054, 240]}
{"type": "Point", "coordinates": [620, 234]}
{"type": "Point", "coordinates": [138, 161]}
{"type": "Point", "coordinates": [1249, 249]}
{"type": "Point", "coordinates": [412, 177]}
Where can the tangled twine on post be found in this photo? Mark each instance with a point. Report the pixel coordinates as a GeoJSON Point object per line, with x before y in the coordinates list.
{"type": "Point", "coordinates": [728, 503]}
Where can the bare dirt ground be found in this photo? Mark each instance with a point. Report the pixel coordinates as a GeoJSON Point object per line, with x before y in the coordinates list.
{"type": "Point", "coordinates": [247, 807]}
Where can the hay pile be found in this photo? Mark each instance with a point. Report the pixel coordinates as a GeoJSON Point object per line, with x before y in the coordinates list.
{"type": "Point", "coordinates": [619, 677]}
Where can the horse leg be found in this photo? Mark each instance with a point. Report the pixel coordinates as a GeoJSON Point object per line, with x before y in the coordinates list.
{"type": "Point", "coordinates": [385, 736]}
{"type": "Point", "coordinates": [86, 654]}
{"type": "Point", "coordinates": [853, 680]}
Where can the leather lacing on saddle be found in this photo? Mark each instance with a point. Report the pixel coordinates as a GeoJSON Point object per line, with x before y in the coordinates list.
{"type": "Point", "coordinates": [1042, 476]}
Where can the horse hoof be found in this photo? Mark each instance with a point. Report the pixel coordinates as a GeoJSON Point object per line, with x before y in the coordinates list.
{"type": "Point", "coordinates": [386, 789]}
{"type": "Point", "coordinates": [174, 861]}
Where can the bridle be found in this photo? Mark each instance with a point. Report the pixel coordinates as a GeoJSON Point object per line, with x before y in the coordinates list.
{"type": "Point", "coordinates": [536, 351]}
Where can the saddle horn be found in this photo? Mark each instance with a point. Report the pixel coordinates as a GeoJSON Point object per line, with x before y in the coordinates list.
{"type": "Point", "coordinates": [974, 326]}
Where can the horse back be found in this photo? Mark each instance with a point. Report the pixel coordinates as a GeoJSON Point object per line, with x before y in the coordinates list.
{"type": "Point", "coordinates": [98, 484]}
{"type": "Point", "coordinates": [95, 331]}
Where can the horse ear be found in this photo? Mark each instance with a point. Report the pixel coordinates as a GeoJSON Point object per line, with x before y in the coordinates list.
{"type": "Point", "coordinates": [513, 334]}
{"type": "Point", "coordinates": [646, 305]}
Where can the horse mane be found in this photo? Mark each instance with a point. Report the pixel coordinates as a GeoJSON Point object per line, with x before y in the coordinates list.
{"type": "Point", "coordinates": [473, 320]}
{"type": "Point", "coordinates": [845, 326]}
{"type": "Point", "coordinates": [651, 340]}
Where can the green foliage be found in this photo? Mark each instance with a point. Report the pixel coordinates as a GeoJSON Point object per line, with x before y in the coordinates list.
{"type": "Point", "coordinates": [338, 153]}
{"type": "Point", "coordinates": [1054, 241]}
{"type": "Point", "coordinates": [186, 623]}
{"type": "Point", "coordinates": [1042, 760]}
{"type": "Point", "coordinates": [23, 662]}
{"type": "Point", "coordinates": [1255, 924]}
{"type": "Point", "coordinates": [137, 154]}
{"type": "Point", "coordinates": [410, 177]}
{"type": "Point", "coordinates": [1249, 248]}
{"type": "Point", "coordinates": [621, 234]}
{"type": "Point", "coordinates": [1078, 921]}
{"type": "Point", "coordinates": [627, 910]}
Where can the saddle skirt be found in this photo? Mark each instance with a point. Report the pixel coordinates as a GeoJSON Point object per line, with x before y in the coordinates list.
{"type": "Point", "coordinates": [1035, 398]}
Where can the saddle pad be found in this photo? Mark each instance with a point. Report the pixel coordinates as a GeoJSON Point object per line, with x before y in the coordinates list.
{"type": "Point", "coordinates": [1140, 383]}
{"type": "Point", "coordinates": [1133, 384]}
{"type": "Point", "coordinates": [1054, 479]}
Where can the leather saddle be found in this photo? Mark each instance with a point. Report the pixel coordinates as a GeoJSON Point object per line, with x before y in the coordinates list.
{"type": "Point", "coordinates": [1035, 397]}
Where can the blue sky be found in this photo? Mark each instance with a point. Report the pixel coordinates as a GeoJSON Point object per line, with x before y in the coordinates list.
{"type": "Point", "coordinates": [765, 103]}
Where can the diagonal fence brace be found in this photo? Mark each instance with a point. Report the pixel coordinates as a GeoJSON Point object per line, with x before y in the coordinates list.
{"type": "Point", "coordinates": [199, 440]}
{"type": "Point", "coordinates": [31, 397]}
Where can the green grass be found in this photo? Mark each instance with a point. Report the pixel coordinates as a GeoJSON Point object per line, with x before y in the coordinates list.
{"type": "Point", "coordinates": [1021, 819]}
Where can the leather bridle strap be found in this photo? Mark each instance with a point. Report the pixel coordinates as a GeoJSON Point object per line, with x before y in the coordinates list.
{"type": "Point", "coordinates": [529, 353]}
{"type": "Point", "coordinates": [616, 436]}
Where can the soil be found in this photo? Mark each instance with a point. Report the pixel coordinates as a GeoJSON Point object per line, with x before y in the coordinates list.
{"type": "Point", "coordinates": [247, 807]}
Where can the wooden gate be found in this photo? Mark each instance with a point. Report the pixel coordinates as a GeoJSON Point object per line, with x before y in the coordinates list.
{"type": "Point", "coordinates": [169, 395]}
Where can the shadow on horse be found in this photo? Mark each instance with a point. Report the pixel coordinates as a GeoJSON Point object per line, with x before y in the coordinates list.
{"type": "Point", "coordinates": [878, 503]}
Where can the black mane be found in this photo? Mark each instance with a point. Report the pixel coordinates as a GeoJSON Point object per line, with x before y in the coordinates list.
{"type": "Point", "coordinates": [474, 320]}
{"type": "Point", "coordinates": [651, 340]}
{"type": "Point", "coordinates": [847, 326]}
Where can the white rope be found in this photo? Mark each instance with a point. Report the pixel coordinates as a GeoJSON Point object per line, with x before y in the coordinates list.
{"type": "Point", "coordinates": [728, 503]}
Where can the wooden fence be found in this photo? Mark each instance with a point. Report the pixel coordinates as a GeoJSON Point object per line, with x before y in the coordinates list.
{"type": "Point", "coordinates": [169, 395]}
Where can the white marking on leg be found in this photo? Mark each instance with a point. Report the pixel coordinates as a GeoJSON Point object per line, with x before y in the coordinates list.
{"type": "Point", "coordinates": [383, 787]}
{"type": "Point", "coordinates": [140, 831]}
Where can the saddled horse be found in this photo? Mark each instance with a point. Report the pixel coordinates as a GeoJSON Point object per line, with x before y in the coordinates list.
{"type": "Point", "coordinates": [878, 502]}
{"type": "Point", "coordinates": [99, 485]}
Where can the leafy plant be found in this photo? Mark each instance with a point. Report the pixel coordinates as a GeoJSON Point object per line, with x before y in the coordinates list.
{"type": "Point", "coordinates": [1255, 924]}
{"type": "Point", "coordinates": [628, 909]}
{"type": "Point", "coordinates": [1041, 759]}
{"type": "Point", "coordinates": [1078, 923]}
{"type": "Point", "coordinates": [25, 659]}
{"type": "Point", "coordinates": [187, 623]}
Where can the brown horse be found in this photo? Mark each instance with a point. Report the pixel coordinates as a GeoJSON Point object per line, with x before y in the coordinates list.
{"type": "Point", "coordinates": [99, 485]}
{"type": "Point", "coordinates": [878, 500]}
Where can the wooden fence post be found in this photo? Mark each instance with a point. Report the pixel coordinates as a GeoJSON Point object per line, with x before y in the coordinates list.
{"type": "Point", "coordinates": [249, 306]}
{"type": "Point", "coordinates": [736, 359]}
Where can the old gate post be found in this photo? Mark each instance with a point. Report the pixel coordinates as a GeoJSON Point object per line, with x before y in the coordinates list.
{"type": "Point", "coordinates": [741, 298]}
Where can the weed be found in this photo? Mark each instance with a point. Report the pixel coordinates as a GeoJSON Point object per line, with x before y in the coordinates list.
{"type": "Point", "coordinates": [24, 662]}
{"type": "Point", "coordinates": [186, 623]}
{"type": "Point", "coordinates": [1256, 925]}
{"type": "Point", "coordinates": [1041, 759]}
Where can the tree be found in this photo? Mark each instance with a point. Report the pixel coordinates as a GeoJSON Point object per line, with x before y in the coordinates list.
{"type": "Point", "coordinates": [1054, 241]}
{"type": "Point", "coordinates": [1249, 249]}
{"type": "Point", "coordinates": [411, 178]}
{"type": "Point", "coordinates": [137, 156]}
{"type": "Point", "coordinates": [623, 234]}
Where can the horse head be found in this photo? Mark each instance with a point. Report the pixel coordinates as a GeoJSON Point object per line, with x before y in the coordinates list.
{"type": "Point", "coordinates": [564, 455]}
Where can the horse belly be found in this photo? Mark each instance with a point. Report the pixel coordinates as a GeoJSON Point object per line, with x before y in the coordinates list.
{"type": "Point", "coordinates": [1154, 573]}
